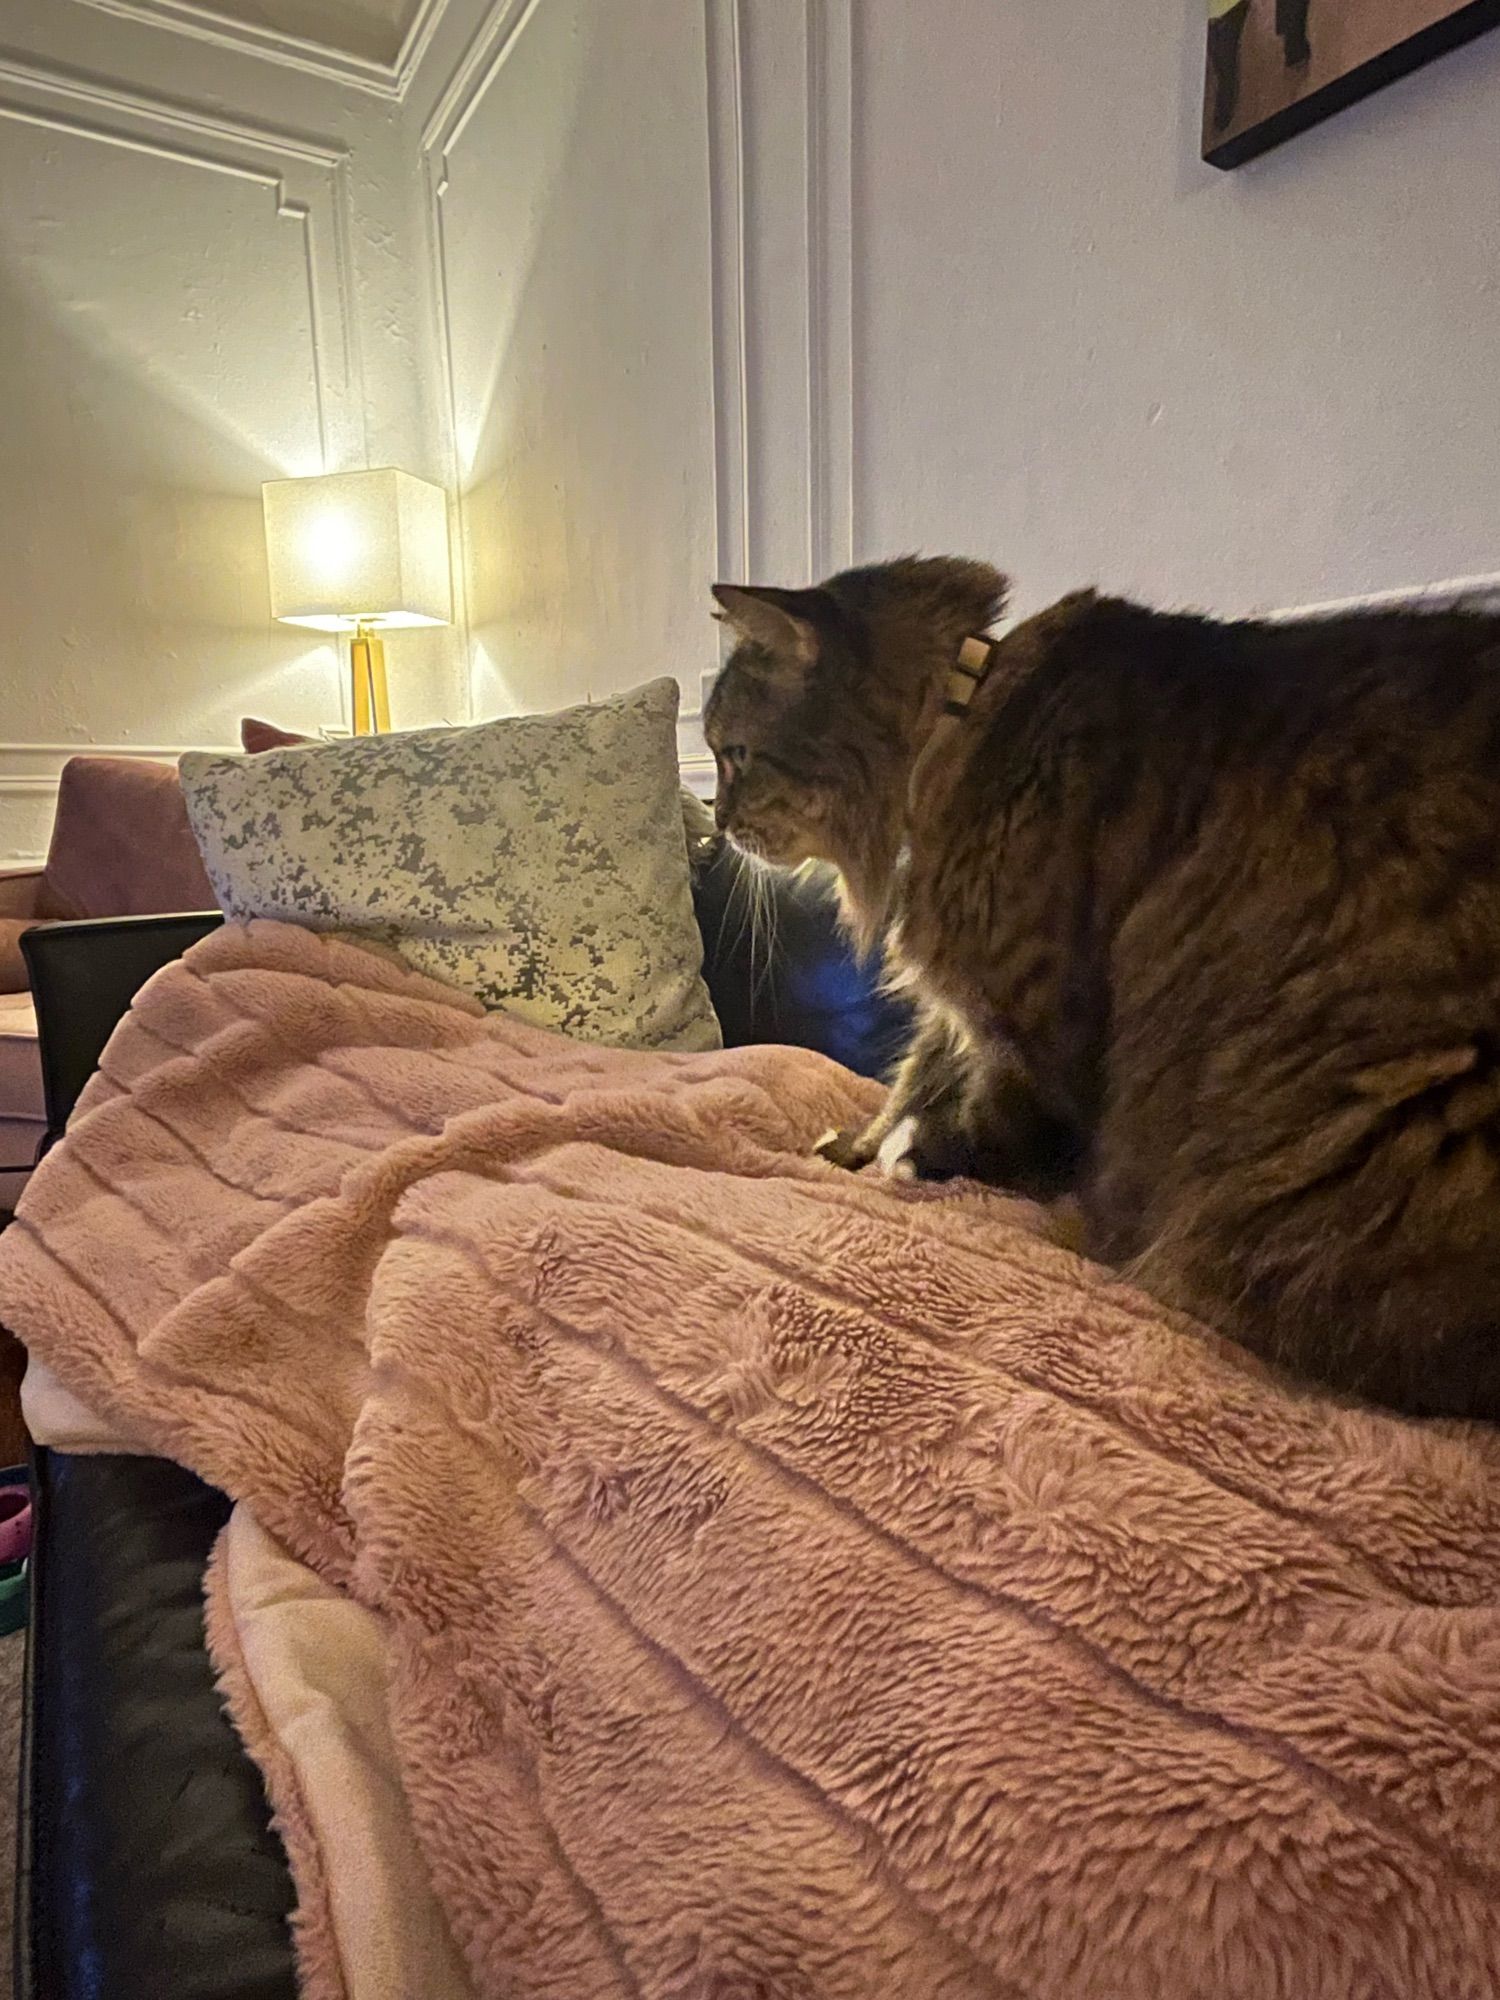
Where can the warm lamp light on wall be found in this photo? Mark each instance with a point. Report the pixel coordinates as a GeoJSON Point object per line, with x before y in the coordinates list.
{"type": "Point", "coordinates": [364, 553]}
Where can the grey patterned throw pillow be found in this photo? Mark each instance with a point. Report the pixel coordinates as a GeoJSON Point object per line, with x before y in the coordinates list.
{"type": "Point", "coordinates": [539, 863]}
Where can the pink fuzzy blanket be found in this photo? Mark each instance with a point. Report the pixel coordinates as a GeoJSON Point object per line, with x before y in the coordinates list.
{"type": "Point", "coordinates": [794, 1585]}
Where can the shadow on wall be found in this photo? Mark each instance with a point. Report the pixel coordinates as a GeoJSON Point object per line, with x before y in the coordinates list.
{"type": "Point", "coordinates": [132, 558]}
{"type": "Point", "coordinates": [232, 363]}
{"type": "Point", "coordinates": [494, 246]}
{"type": "Point", "coordinates": [576, 239]}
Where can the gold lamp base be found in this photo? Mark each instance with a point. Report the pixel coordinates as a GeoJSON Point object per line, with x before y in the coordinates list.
{"type": "Point", "coordinates": [370, 708]}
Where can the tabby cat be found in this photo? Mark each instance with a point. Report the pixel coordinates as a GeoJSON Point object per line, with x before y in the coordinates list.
{"type": "Point", "coordinates": [1201, 918]}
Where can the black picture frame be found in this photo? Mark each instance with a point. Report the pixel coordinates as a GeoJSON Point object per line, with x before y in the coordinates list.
{"type": "Point", "coordinates": [1451, 32]}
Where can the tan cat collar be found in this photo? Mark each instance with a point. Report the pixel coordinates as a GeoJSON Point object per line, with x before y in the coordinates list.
{"type": "Point", "coordinates": [965, 678]}
{"type": "Point", "coordinates": [967, 674]}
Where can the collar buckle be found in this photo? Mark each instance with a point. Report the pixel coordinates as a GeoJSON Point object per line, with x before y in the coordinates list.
{"type": "Point", "coordinates": [967, 675]}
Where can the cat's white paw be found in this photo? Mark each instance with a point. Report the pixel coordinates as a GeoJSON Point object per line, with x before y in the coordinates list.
{"type": "Point", "coordinates": [895, 1156]}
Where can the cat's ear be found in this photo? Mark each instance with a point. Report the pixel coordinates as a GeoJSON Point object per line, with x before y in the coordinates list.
{"type": "Point", "coordinates": [784, 622]}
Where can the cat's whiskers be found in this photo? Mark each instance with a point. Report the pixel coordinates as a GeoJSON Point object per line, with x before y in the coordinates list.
{"type": "Point", "coordinates": [765, 916]}
{"type": "Point", "coordinates": [759, 911]}
{"type": "Point", "coordinates": [741, 897]}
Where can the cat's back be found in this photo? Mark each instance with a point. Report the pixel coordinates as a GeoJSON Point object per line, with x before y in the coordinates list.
{"type": "Point", "coordinates": [1160, 717]}
{"type": "Point", "coordinates": [1113, 656]}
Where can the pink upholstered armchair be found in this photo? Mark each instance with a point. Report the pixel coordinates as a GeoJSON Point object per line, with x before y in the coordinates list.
{"type": "Point", "coordinates": [121, 847]}
{"type": "Point", "coordinates": [21, 1122]}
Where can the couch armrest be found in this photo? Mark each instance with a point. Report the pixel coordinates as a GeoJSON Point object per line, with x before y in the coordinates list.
{"type": "Point", "coordinates": [147, 1862]}
{"type": "Point", "coordinates": [83, 978]}
{"type": "Point", "coordinates": [18, 891]}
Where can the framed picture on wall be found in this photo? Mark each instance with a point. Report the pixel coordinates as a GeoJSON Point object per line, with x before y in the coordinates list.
{"type": "Point", "coordinates": [1277, 66]}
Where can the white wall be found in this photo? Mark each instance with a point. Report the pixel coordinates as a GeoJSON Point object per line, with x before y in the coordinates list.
{"type": "Point", "coordinates": [1087, 356]}
{"type": "Point", "coordinates": [209, 276]}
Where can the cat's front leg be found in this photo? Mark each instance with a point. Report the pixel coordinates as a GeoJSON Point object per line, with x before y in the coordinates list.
{"type": "Point", "coordinates": [853, 1147]}
{"type": "Point", "coordinates": [919, 1126]}
{"type": "Point", "coordinates": [962, 1109]}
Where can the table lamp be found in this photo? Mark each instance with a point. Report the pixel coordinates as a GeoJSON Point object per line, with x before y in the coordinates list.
{"type": "Point", "coordinates": [359, 552]}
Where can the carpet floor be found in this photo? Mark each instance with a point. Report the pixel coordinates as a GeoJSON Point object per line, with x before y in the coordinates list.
{"type": "Point", "coordinates": [12, 1661]}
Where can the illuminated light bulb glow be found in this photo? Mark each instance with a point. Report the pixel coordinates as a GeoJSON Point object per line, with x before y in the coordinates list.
{"type": "Point", "coordinates": [331, 545]}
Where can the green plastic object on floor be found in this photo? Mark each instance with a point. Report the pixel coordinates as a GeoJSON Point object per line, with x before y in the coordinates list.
{"type": "Point", "coordinates": [12, 1597]}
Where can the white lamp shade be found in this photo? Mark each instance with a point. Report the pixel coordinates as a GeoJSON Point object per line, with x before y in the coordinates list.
{"type": "Point", "coordinates": [350, 548]}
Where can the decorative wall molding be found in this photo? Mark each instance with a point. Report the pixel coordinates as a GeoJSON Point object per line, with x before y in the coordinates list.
{"type": "Point", "coordinates": [478, 68]}
{"type": "Point", "coordinates": [111, 97]}
{"type": "Point", "coordinates": [727, 251]}
{"type": "Point", "coordinates": [308, 183]}
{"type": "Point", "coordinates": [481, 62]}
{"type": "Point", "coordinates": [206, 24]}
{"type": "Point", "coordinates": [827, 123]}
{"type": "Point", "coordinates": [783, 399]}
{"type": "Point", "coordinates": [830, 285]}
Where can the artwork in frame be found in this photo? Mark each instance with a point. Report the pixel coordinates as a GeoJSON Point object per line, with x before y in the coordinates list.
{"type": "Point", "coordinates": [1277, 66]}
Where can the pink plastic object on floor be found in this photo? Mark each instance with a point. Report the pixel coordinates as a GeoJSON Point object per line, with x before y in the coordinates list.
{"type": "Point", "coordinates": [15, 1524]}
